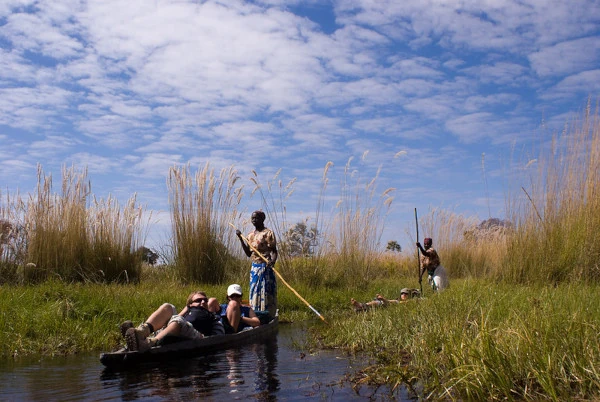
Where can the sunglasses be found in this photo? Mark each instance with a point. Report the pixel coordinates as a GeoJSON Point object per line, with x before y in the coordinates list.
{"type": "Point", "coordinates": [200, 300]}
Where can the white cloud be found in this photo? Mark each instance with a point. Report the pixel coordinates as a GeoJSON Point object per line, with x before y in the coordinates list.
{"type": "Point", "coordinates": [587, 83]}
{"type": "Point", "coordinates": [133, 88]}
{"type": "Point", "coordinates": [513, 25]}
{"type": "Point", "coordinates": [500, 73]}
{"type": "Point", "coordinates": [156, 164]}
{"type": "Point", "coordinates": [566, 57]}
{"type": "Point", "coordinates": [94, 163]}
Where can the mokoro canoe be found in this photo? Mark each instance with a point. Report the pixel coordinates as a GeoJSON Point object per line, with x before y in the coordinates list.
{"type": "Point", "coordinates": [124, 357]}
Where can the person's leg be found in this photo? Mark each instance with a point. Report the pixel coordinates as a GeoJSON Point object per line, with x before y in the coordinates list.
{"type": "Point", "coordinates": [255, 295]}
{"type": "Point", "coordinates": [125, 326]}
{"type": "Point", "coordinates": [213, 305]}
{"type": "Point", "coordinates": [184, 329]}
{"type": "Point", "coordinates": [161, 316]}
{"type": "Point", "coordinates": [173, 328]}
{"type": "Point", "coordinates": [358, 306]}
{"type": "Point", "coordinates": [432, 283]}
{"type": "Point", "coordinates": [270, 285]}
{"type": "Point", "coordinates": [438, 283]}
{"type": "Point", "coordinates": [441, 278]}
{"type": "Point", "coordinates": [158, 319]}
{"type": "Point", "coordinates": [234, 314]}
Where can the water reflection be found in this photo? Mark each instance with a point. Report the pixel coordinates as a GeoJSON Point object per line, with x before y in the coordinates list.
{"type": "Point", "coordinates": [273, 370]}
{"type": "Point", "coordinates": [249, 370]}
{"type": "Point", "coordinates": [263, 376]}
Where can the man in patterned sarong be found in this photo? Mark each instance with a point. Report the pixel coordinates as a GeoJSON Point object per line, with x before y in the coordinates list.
{"type": "Point", "coordinates": [263, 287]}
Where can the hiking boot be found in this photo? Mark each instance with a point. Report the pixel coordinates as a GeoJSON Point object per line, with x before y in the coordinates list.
{"type": "Point", "coordinates": [125, 326]}
{"type": "Point", "coordinates": [142, 345]}
{"type": "Point", "coordinates": [144, 330]}
{"type": "Point", "coordinates": [131, 339]}
{"type": "Point", "coordinates": [147, 344]}
{"type": "Point", "coordinates": [136, 337]}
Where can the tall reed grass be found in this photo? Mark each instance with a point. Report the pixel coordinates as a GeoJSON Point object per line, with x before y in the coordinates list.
{"type": "Point", "coordinates": [60, 236]}
{"type": "Point", "coordinates": [464, 249]}
{"type": "Point", "coordinates": [202, 207]}
{"type": "Point", "coordinates": [347, 248]}
{"type": "Point", "coordinates": [554, 211]}
{"type": "Point", "coordinates": [557, 214]}
{"type": "Point", "coordinates": [352, 244]}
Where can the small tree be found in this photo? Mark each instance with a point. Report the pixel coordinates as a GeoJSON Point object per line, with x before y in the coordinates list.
{"type": "Point", "coordinates": [393, 245]}
{"type": "Point", "coordinates": [300, 240]}
{"type": "Point", "coordinates": [148, 256]}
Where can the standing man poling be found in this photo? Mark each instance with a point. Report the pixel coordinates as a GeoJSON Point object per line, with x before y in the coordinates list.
{"type": "Point", "coordinates": [263, 287]}
{"type": "Point", "coordinates": [430, 262]}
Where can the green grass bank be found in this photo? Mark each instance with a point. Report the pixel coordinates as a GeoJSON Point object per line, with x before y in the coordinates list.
{"type": "Point", "coordinates": [481, 341]}
{"type": "Point", "coordinates": [477, 340]}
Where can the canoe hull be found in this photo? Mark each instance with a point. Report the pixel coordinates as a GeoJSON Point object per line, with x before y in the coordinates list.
{"type": "Point", "coordinates": [124, 358]}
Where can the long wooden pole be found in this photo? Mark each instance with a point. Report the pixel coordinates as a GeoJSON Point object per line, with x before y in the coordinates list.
{"type": "Point", "coordinates": [418, 254]}
{"type": "Point", "coordinates": [258, 253]}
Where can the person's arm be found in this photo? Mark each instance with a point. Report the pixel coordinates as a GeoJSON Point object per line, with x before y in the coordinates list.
{"type": "Point", "coordinates": [382, 299]}
{"type": "Point", "coordinates": [426, 254]}
{"type": "Point", "coordinates": [272, 257]}
{"type": "Point", "coordinates": [184, 311]}
{"type": "Point", "coordinates": [422, 267]}
{"type": "Point", "coordinates": [244, 245]}
{"type": "Point", "coordinates": [252, 320]}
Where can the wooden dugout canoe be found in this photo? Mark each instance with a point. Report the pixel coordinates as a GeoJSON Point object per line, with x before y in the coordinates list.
{"type": "Point", "coordinates": [188, 348]}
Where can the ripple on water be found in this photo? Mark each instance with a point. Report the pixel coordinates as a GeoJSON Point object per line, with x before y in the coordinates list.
{"type": "Point", "coordinates": [274, 370]}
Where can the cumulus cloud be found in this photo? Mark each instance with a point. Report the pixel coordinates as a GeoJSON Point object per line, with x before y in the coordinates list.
{"type": "Point", "coordinates": [132, 88]}
{"type": "Point", "coordinates": [566, 57]}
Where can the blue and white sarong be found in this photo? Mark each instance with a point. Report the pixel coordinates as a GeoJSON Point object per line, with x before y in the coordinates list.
{"type": "Point", "coordinates": [263, 288]}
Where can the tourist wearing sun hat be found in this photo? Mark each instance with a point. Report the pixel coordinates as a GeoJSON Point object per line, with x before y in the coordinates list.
{"type": "Point", "coordinates": [236, 316]}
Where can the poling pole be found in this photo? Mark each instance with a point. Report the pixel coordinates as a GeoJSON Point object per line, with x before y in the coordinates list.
{"type": "Point", "coordinates": [418, 255]}
{"type": "Point", "coordinates": [281, 277]}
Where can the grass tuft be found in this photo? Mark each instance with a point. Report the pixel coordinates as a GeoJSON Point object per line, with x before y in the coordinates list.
{"type": "Point", "coordinates": [202, 207]}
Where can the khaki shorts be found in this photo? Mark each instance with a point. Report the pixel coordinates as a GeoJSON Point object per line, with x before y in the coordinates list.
{"type": "Point", "coordinates": [187, 329]}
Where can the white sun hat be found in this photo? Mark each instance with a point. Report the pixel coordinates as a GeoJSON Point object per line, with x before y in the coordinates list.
{"type": "Point", "coordinates": [234, 289]}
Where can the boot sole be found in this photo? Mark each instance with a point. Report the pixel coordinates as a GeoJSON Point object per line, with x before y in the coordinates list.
{"type": "Point", "coordinates": [125, 326]}
{"type": "Point", "coordinates": [131, 339]}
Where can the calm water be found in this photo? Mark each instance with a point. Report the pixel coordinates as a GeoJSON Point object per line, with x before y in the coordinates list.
{"type": "Point", "coordinates": [274, 370]}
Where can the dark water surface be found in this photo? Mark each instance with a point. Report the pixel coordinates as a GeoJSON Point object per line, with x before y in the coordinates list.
{"type": "Point", "coordinates": [276, 369]}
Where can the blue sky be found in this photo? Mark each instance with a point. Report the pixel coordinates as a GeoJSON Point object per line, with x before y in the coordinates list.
{"type": "Point", "coordinates": [131, 88]}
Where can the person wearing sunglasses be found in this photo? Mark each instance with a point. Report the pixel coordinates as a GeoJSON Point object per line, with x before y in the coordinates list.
{"type": "Point", "coordinates": [236, 316]}
{"type": "Point", "coordinates": [196, 320]}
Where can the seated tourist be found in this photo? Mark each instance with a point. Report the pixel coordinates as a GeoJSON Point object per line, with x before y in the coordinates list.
{"type": "Point", "coordinates": [236, 316]}
{"type": "Point", "coordinates": [198, 319]}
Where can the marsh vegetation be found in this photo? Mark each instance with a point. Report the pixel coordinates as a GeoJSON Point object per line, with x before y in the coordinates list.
{"type": "Point", "coordinates": [520, 320]}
